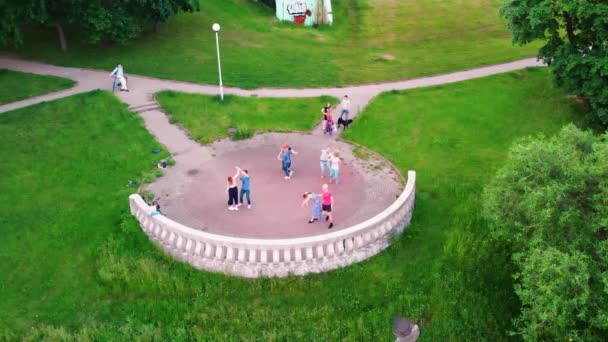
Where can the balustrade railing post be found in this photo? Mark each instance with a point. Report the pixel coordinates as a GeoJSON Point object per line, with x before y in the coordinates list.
{"type": "Point", "coordinates": [278, 259]}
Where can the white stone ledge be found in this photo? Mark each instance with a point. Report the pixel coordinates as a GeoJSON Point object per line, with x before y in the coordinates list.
{"type": "Point", "coordinates": [252, 258]}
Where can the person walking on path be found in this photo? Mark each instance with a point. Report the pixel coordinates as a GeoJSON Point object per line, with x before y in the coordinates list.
{"type": "Point", "coordinates": [334, 167]}
{"type": "Point", "coordinates": [328, 204]}
{"type": "Point", "coordinates": [245, 186]}
{"type": "Point", "coordinates": [345, 105]}
{"type": "Point", "coordinates": [316, 205]}
{"type": "Point", "coordinates": [119, 75]}
{"type": "Point", "coordinates": [324, 161]}
{"type": "Point", "coordinates": [329, 124]}
{"type": "Point", "coordinates": [285, 158]}
{"type": "Point", "coordinates": [326, 111]}
{"type": "Point", "coordinates": [233, 192]}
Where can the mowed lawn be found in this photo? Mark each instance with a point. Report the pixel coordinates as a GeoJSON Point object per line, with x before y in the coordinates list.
{"type": "Point", "coordinates": [64, 176]}
{"type": "Point", "coordinates": [207, 118]}
{"type": "Point", "coordinates": [455, 137]}
{"type": "Point", "coordinates": [20, 85]}
{"type": "Point", "coordinates": [76, 265]}
{"type": "Point", "coordinates": [371, 41]}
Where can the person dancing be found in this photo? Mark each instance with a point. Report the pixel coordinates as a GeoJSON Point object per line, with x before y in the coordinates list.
{"type": "Point", "coordinates": [285, 158]}
{"type": "Point", "coordinates": [316, 205]}
{"type": "Point", "coordinates": [328, 205]}
{"type": "Point", "coordinates": [233, 192]}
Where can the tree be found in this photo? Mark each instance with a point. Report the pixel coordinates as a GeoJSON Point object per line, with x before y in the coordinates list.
{"type": "Point", "coordinates": [95, 20]}
{"type": "Point", "coordinates": [158, 11]}
{"type": "Point", "coordinates": [554, 290]}
{"type": "Point", "coordinates": [575, 33]}
{"type": "Point", "coordinates": [549, 205]}
{"type": "Point", "coordinates": [13, 13]}
{"type": "Point", "coordinates": [270, 3]}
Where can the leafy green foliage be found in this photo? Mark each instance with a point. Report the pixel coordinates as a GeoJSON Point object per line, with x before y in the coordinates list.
{"type": "Point", "coordinates": [574, 33]}
{"type": "Point", "coordinates": [242, 133]}
{"type": "Point", "coordinates": [13, 14]}
{"type": "Point", "coordinates": [94, 20]}
{"type": "Point", "coordinates": [548, 203]}
{"type": "Point", "coordinates": [269, 3]}
{"type": "Point", "coordinates": [554, 288]}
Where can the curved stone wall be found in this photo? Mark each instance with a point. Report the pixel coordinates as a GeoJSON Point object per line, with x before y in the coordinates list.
{"type": "Point", "coordinates": [278, 257]}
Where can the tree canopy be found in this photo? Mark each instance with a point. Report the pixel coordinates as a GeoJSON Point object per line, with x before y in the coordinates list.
{"type": "Point", "coordinates": [549, 204]}
{"type": "Point", "coordinates": [95, 20]}
{"type": "Point", "coordinates": [575, 33]}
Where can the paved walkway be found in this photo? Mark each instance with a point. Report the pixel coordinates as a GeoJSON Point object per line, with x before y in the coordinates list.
{"type": "Point", "coordinates": [143, 88]}
{"type": "Point", "coordinates": [190, 155]}
{"type": "Point", "coordinates": [196, 197]}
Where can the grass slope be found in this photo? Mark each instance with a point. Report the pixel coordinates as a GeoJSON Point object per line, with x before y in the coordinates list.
{"type": "Point", "coordinates": [207, 118]}
{"type": "Point", "coordinates": [424, 37]}
{"type": "Point", "coordinates": [63, 190]}
{"type": "Point", "coordinates": [97, 277]}
{"type": "Point", "coordinates": [455, 136]}
{"type": "Point", "coordinates": [15, 86]}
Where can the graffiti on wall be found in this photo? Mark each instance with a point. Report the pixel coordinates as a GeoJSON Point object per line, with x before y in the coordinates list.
{"type": "Point", "coordinates": [305, 12]}
{"type": "Point", "coordinates": [299, 11]}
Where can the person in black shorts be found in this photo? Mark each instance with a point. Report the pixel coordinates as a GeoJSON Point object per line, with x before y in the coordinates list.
{"type": "Point", "coordinates": [233, 192]}
{"type": "Point", "coordinates": [327, 199]}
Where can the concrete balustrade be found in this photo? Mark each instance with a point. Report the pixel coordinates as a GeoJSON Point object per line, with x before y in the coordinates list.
{"type": "Point", "coordinates": [253, 258]}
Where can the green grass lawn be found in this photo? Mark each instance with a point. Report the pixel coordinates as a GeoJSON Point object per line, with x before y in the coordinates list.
{"type": "Point", "coordinates": [371, 41]}
{"type": "Point", "coordinates": [71, 260]}
{"type": "Point", "coordinates": [15, 86]}
{"type": "Point", "coordinates": [455, 137]}
{"type": "Point", "coordinates": [66, 166]}
{"type": "Point", "coordinates": [206, 118]}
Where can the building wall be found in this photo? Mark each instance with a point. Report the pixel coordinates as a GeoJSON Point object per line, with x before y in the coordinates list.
{"type": "Point", "coordinates": [304, 12]}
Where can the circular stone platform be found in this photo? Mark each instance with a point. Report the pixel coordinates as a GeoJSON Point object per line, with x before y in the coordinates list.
{"type": "Point", "coordinates": [193, 192]}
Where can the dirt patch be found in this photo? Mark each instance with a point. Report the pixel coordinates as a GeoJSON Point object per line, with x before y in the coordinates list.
{"type": "Point", "coordinates": [384, 58]}
{"type": "Point", "coordinates": [581, 102]}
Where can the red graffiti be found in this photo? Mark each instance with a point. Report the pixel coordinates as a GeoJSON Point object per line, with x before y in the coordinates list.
{"type": "Point", "coordinates": [299, 11]}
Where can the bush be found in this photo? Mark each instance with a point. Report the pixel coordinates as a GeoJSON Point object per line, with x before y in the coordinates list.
{"type": "Point", "coordinates": [269, 3]}
{"type": "Point", "coordinates": [147, 195]}
{"type": "Point", "coordinates": [549, 204]}
{"type": "Point", "coordinates": [148, 177]}
{"type": "Point", "coordinates": [242, 133]}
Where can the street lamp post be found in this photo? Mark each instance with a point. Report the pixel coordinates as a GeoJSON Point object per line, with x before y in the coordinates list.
{"type": "Point", "coordinates": [216, 29]}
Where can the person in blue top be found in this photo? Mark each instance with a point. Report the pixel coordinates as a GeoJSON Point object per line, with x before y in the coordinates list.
{"type": "Point", "coordinates": [316, 205]}
{"type": "Point", "coordinates": [285, 158]}
{"type": "Point", "coordinates": [245, 186]}
{"type": "Point", "coordinates": [118, 72]}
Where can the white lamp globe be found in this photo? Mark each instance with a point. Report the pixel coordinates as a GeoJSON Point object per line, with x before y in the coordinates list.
{"type": "Point", "coordinates": [216, 27]}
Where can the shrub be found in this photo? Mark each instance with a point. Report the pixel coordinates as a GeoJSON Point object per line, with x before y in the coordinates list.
{"type": "Point", "coordinates": [148, 177]}
{"type": "Point", "coordinates": [242, 133]}
{"type": "Point", "coordinates": [147, 195]}
{"type": "Point", "coordinates": [549, 204]}
{"type": "Point", "coordinates": [269, 3]}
